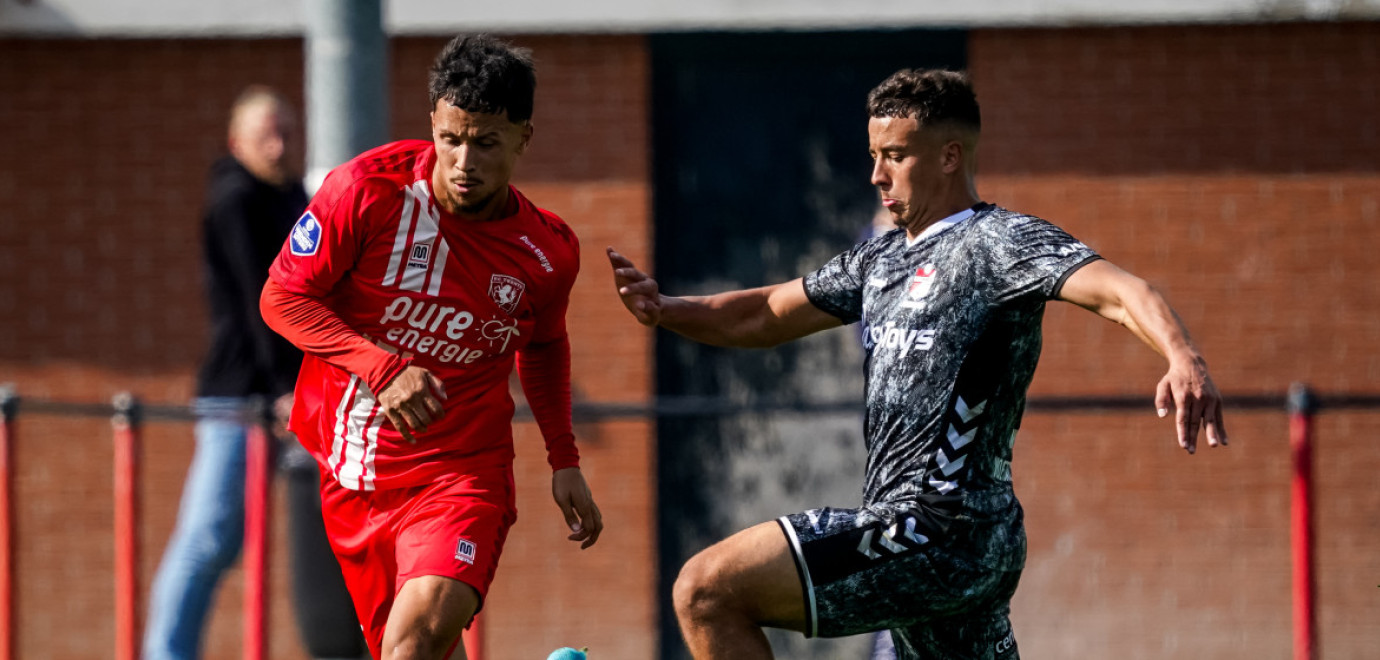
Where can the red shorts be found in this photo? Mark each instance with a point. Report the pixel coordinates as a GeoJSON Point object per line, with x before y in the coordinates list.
{"type": "Point", "coordinates": [453, 527]}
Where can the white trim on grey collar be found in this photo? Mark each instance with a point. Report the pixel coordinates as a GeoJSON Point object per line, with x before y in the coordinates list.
{"type": "Point", "coordinates": [941, 226]}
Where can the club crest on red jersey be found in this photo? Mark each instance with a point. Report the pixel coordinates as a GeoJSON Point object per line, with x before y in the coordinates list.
{"type": "Point", "coordinates": [920, 285]}
{"type": "Point", "coordinates": [506, 291]}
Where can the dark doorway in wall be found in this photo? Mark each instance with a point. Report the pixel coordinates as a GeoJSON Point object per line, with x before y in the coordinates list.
{"type": "Point", "coordinates": [761, 175]}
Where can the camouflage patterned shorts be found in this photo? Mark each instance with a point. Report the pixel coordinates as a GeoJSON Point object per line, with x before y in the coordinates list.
{"type": "Point", "coordinates": [862, 572]}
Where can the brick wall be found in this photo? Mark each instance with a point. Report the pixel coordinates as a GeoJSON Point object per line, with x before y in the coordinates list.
{"type": "Point", "coordinates": [106, 147]}
{"type": "Point", "coordinates": [1234, 168]}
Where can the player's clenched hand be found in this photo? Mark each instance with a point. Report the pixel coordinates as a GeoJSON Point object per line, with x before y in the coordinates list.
{"type": "Point", "coordinates": [638, 290]}
{"type": "Point", "coordinates": [412, 401]}
{"type": "Point", "coordinates": [1196, 402]}
{"type": "Point", "coordinates": [282, 409]}
{"type": "Point", "coordinates": [572, 495]}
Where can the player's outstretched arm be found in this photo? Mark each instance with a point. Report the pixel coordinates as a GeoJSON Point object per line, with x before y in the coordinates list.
{"type": "Point", "coordinates": [576, 502]}
{"type": "Point", "coordinates": [750, 318]}
{"type": "Point", "coordinates": [1126, 299]}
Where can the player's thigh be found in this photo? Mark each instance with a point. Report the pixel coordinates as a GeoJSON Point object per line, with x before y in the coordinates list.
{"type": "Point", "coordinates": [431, 608]}
{"type": "Point", "coordinates": [752, 572]}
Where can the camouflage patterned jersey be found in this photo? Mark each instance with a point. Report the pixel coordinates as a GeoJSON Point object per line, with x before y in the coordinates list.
{"type": "Point", "coordinates": [951, 330]}
{"type": "Point", "coordinates": [951, 327]}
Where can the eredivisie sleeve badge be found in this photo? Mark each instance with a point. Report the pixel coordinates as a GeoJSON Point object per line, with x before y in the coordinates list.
{"type": "Point", "coordinates": [306, 235]}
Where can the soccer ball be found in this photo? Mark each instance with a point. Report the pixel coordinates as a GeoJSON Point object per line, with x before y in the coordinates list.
{"type": "Point", "coordinates": [567, 653]}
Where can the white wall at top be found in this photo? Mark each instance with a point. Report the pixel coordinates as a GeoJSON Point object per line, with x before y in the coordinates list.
{"type": "Point", "coordinates": [284, 17]}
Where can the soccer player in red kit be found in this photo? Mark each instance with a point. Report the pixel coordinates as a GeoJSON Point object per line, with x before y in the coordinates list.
{"type": "Point", "coordinates": [415, 280]}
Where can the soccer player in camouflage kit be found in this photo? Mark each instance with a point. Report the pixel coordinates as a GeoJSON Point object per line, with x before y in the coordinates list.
{"type": "Point", "coordinates": [950, 304]}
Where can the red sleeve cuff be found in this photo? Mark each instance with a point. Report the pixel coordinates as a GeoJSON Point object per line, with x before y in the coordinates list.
{"type": "Point", "coordinates": [561, 452]}
{"type": "Point", "coordinates": [384, 371]}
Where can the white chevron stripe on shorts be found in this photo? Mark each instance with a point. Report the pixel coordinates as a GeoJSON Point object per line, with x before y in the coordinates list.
{"type": "Point", "coordinates": [356, 438]}
{"type": "Point", "coordinates": [946, 466]}
{"type": "Point", "coordinates": [964, 412]}
{"type": "Point", "coordinates": [958, 440]}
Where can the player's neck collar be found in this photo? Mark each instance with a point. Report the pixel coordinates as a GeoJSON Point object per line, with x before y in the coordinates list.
{"type": "Point", "coordinates": [946, 223]}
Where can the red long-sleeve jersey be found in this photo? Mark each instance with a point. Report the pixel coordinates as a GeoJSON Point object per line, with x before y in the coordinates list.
{"type": "Point", "coordinates": [376, 276]}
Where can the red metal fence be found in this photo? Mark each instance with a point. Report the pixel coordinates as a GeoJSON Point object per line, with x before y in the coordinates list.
{"type": "Point", "coordinates": [128, 416]}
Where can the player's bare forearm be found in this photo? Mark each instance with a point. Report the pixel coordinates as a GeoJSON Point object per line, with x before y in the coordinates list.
{"type": "Point", "coordinates": [1187, 386]}
{"type": "Point", "coordinates": [717, 320]}
{"type": "Point", "coordinates": [1144, 311]}
{"type": "Point", "coordinates": [1123, 298]}
{"type": "Point", "coordinates": [748, 318]}
{"type": "Point", "coordinates": [726, 319]}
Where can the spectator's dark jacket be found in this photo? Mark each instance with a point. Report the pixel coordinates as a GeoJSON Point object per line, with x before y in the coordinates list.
{"type": "Point", "coordinates": [245, 223]}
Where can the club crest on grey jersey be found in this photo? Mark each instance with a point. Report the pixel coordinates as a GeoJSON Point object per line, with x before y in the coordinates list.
{"type": "Point", "coordinates": [951, 332]}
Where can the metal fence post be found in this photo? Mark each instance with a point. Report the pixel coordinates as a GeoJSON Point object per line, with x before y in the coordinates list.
{"type": "Point", "coordinates": [473, 639]}
{"type": "Point", "coordinates": [9, 407]}
{"type": "Point", "coordinates": [125, 424]}
{"type": "Point", "coordinates": [1302, 406]}
{"type": "Point", "coordinates": [257, 481]}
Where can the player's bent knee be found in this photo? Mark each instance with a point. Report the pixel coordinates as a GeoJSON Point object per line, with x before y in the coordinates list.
{"type": "Point", "coordinates": [417, 648]}
{"type": "Point", "coordinates": [422, 643]}
{"type": "Point", "coordinates": [698, 593]}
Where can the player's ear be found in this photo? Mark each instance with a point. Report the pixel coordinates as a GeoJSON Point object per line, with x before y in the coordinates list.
{"type": "Point", "coordinates": [951, 156]}
{"type": "Point", "coordinates": [526, 136]}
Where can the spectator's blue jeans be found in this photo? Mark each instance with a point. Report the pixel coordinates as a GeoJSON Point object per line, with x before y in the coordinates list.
{"type": "Point", "coordinates": [208, 534]}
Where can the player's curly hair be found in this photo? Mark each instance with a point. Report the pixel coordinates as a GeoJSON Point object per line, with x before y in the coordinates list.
{"type": "Point", "coordinates": [479, 73]}
{"type": "Point", "coordinates": [930, 96]}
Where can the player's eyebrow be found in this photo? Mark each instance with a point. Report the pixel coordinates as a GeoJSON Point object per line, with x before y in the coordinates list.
{"type": "Point", "coordinates": [490, 133]}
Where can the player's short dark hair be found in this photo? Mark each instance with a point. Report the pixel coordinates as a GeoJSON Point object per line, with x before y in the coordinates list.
{"type": "Point", "coordinates": [479, 73]}
{"type": "Point", "coordinates": [930, 96]}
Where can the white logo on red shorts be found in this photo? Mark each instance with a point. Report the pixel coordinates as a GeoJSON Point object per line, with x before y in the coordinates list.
{"type": "Point", "coordinates": [464, 551]}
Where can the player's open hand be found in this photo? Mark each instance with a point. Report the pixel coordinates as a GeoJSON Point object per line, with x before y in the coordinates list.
{"type": "Point", "coordinates": [1196, 402]}
{"type": "Point", "coordinates": [638, 290]}
{"type": "Point", "coordinates": [412, 401]}
{"type": "Point", "coordinates": [572, 495]}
